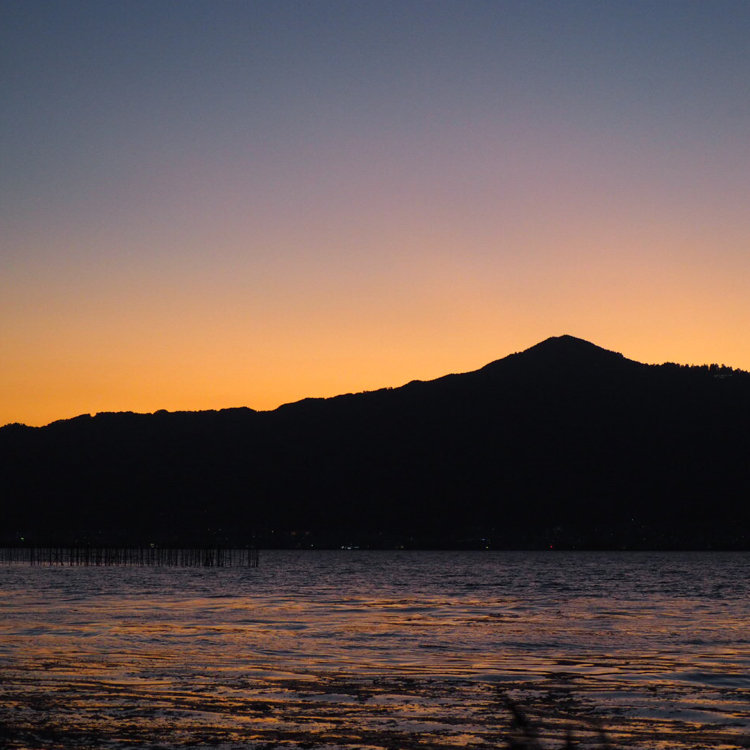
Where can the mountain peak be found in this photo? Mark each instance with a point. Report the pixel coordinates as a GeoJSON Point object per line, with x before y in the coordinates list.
{"type": "Point", "coordinates": [570, 352]}
{"type": "Point", "coordinates": [565, 353]}
{"type": "Point", "coordinates": [567, 344]}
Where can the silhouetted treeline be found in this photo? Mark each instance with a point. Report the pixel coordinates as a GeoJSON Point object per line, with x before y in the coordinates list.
{"type": "Point", "coordinates": [565, 444]}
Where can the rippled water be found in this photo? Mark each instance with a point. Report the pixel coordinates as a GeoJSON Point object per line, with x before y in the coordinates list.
{"type": "Point", "coordinates": [380, 649]}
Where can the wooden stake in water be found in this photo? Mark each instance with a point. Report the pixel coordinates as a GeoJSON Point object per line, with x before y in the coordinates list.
{"type": "Point", "coordinates": [151, 556]}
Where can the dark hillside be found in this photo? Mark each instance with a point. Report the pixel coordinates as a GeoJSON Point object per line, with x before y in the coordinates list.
{"type": "Point", "coordinates": [564, 444]}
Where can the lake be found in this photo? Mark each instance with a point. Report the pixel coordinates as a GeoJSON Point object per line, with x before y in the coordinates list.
{"type": "Point", "coordinates": [344, 649]}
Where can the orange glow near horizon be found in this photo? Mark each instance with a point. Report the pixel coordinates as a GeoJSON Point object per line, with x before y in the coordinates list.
{"type": "Point", "coordinates": [188, 330]}
{"type": "Point", "coordinates": [128, 345]}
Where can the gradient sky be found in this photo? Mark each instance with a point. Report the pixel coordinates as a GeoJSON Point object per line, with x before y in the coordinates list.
{"type": "Point", "coordinates": [215, 204]}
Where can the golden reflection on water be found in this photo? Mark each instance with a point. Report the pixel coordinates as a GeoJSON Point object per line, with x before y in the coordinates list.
{"type": "Point", "coordinates": [223, 659]}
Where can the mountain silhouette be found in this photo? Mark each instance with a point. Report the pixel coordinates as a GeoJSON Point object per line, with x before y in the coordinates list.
{"type": "Point", "coordinates": [564, 444]}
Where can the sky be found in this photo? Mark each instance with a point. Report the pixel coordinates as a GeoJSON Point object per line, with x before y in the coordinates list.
{"type": "Point", "coordinates": [223, 203]}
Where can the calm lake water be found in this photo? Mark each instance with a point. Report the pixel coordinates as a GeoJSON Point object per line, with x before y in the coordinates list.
{"type": "Point", "coordinates": [380, 650]}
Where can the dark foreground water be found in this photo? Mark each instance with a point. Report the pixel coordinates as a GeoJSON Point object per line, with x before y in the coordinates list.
{"type": "Point", "coordinates": [381, 650]}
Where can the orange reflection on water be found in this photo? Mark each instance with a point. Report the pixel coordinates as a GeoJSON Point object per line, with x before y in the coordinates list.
{"type": "Point", "coordinates": [364, 658]}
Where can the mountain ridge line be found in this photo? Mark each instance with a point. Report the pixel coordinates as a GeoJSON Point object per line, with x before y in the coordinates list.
{"type": "Point", "coordinates": [553, 346]}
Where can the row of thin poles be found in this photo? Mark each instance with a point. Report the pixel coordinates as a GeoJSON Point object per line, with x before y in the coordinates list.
{"type": "Point", "coordinates": [206, 557]}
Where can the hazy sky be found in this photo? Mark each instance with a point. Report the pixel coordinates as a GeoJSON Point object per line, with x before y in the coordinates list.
{"type": "Point", "coordinates": [213, 204]}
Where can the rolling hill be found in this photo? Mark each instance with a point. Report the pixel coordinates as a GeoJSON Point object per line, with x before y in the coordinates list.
{"type": "Point", "coordinates": [565, 444]}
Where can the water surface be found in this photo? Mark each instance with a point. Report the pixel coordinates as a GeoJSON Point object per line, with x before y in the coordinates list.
{"type": "Point", "coordinates": [379, 649]}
